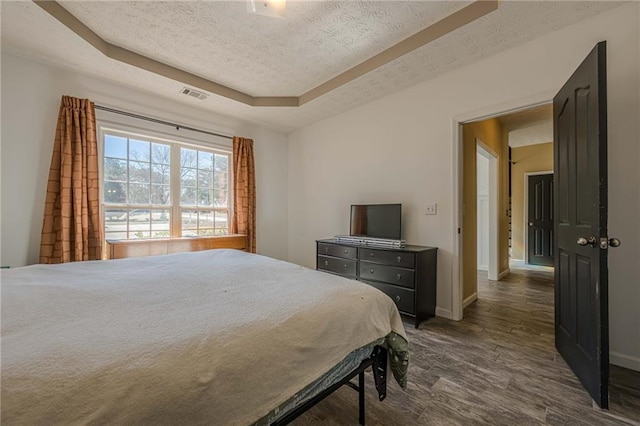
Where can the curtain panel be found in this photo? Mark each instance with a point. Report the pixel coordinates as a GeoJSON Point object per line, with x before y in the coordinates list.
{"type": "Point", "coordinates": [71, 229]}
{"type": "Point", "coordinates": [244, 181]}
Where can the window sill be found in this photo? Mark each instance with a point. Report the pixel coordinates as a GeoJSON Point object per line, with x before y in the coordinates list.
{"type": "Point", "coordinates": [120, 249]}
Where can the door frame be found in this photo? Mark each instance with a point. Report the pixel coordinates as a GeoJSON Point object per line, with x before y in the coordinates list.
{"type": "Point", "coordinates": [526, 211]}
{"type": "Point", "coordinates": [458, 207]}
{"type": "Point", "coordinates": [494, 226]}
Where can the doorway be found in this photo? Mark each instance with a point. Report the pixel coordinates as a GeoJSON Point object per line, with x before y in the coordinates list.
{"type": "Point", "coordinates": [496, 154]}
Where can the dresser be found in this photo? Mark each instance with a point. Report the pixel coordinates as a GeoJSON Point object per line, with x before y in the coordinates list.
{"type": "Point", "coordinates": [407, 275]}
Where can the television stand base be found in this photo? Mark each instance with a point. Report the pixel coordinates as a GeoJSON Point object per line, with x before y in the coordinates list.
{"type": "Point", "coordinates": [370, 242]}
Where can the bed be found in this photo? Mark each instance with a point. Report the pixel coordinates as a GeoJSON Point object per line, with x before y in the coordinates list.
{"type": "Point", "coordinates": [210, 337]}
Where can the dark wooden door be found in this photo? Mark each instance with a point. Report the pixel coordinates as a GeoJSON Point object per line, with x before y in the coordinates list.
{"type": "Point", "coordinates": [540, 220]}
{"type": "Point", "coordinates": [581, 276]}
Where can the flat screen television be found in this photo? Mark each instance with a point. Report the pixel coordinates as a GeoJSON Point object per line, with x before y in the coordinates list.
{"type": "Point", "coordinates": [376, 221]}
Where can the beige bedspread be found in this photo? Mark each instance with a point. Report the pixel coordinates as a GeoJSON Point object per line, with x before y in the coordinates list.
{"type": "Point", "coordinates": [212, 337]}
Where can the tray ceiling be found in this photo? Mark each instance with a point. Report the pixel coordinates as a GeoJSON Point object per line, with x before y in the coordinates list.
{"type": "Point", "coordinates": [265, 56]}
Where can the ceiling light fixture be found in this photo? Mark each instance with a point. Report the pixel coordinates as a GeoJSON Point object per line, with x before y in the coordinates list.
{"type": "Point", "coordinates": [273, 8]}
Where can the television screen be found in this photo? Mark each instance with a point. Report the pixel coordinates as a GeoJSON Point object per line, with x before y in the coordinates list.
{"type": "Point", "coordinates": [376, 220]}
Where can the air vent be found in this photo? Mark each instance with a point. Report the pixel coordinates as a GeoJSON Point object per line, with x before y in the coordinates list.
{"type": "Point", "coordinates": [193, 93]}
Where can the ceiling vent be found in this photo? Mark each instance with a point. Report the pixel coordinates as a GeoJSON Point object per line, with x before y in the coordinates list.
{"type": "Point", "coordinates": [194, 93]}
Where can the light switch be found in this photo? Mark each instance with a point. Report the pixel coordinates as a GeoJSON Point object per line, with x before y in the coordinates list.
{"type": "Point", "coordinates": [431, 208]}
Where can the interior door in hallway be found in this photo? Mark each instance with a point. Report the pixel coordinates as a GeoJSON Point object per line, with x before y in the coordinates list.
{"type": "Point", "coordinates": [540, 220]}
{"type": "Point", "coordinates": [580, 202]}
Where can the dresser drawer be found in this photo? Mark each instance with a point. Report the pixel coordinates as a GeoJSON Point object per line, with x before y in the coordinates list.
{"type": "Point", "coordinates": [402, 297]}
{"type": "Point", "coordinates": [345, 267]}
{"type": "Point", "coordinates": [389, 274]}
{"type": "Point", "coordinates": [388, 257]}
{"type": "Point", "coordinates": [337, 251]}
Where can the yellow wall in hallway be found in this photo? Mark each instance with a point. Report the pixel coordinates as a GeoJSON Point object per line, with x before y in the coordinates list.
{"type": "Point", "coordinates": [526, 159]}
{"type": "Point", "coordinates": [490, 133]}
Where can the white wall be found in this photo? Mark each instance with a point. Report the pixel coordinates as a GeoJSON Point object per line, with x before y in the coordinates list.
{"type": "Point", "coordinates": [482, 210]}
{"type": "Point", "coordinates": [400, 149]}
{"type": "Point", "coordinates": [31, 93]}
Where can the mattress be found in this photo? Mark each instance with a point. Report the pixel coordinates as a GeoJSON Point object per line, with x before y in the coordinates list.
{"type": "Point", "coordinates": [211, 337]}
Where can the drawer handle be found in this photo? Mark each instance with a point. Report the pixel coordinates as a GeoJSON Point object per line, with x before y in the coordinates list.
{"type": "Point", "coordinates": [326, 249]}
{"type": "Point", "coordinates": [398, 277]}
{"type": "Point", "coordinates": [397, 298]}
{"type": "Point", "coordinates": [346, 266]}
{"type": "Point", "coordinates": [371, 271]}
{"type": "Point", "coordinates": [371, 254]}
{"type": "Point", "coordinates": [326, 263]}
{"type": "Point", "coordinates": [399, 259]}
{"type": "Point", "coordinates": [346, 251]}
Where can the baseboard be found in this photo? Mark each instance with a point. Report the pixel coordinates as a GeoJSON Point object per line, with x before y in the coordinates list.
{"type": "Point", "coordinates": [469, 300]}
{"type": "Point", "coordinates": [444, 313]}
{"type": "Point", "coordinates": [626, 361]}
{"type": "Point", "coordinates": [503, 274]}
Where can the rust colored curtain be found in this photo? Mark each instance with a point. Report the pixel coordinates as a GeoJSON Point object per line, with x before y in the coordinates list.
{"type": "Point", "coordinates": [244, 180]}
{"type": "Point", "coordinates": [71, 230]}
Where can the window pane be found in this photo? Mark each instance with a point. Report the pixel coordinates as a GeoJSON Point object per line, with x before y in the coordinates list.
{"type": "Point", "coordinates": [205, 197]}
{"type": "Point", "coordinates": [139, 219]}
{"type": "Point", "coordinates": [115, 192]}
{"type": "Point", "coordinates": [139, 193]}
{"type": "Point", "coordinates": [115, 235]}
{"type": "Point", "coordinates": [221, 181]}
{"type": "Point", "coordinates": [188, 197]}
{"type": "Point", "coordinates": [187, 177]}
{"type": "Point", "coordinates": [160, 153]}
{"type": "Point", "coordinates": [160, 223]}
{"type": "Point", "coordinates": [133, 235]}
{"type": "Point", "coordinates": [190, 233]}
{"type": "Point", "coordinates": [115, 169]}
{"type": "Point", "coordinates": [220, 197]}
{"type": "Point", "coordinates": [160, 195]}
{"type": "Point", "coordinates": [188, 157]}
{"type": "Point", "coordinates": [189, 220]}
{"type": "Point", "coordinates": [205, 219]}
{"type": "Point", "coordinates": [205, 179]}
{"type": "Point", "coordinates": [139, 150]}
{"type": "Point", "coordinates": [139, 223]}
{"type": "Point", "coordinates": [160, 173]}
{"type": "Point", "coordinates": [205, 232]}
{"type": "Point", "coordinates": [115, 221]}
{"type": "Point", "coordinates": [115, 215]}
{"type": "Point", "coordinates": [205, 160]}
{"type": "Point", "coordinates": [138, 172]}
{"type": "Point", "coordinates": [222, 220]}
{"type": "Point", "coordinates": [115, 147]}
{"type": "Point", "coordinates": [222, 163]}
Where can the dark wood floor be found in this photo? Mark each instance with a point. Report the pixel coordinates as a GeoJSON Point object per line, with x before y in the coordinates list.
{"type": "Point", "coordinates": [497, 366]}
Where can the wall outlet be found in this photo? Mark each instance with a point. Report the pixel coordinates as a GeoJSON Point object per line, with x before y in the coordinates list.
{"type": "Point", "coordinates": [431, 208]}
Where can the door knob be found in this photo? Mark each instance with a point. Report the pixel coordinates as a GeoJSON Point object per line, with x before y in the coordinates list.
{"type": "Point", "coordinates": [614, 242]}
{"type": "Point", "coordinates": [530, 223]}
{"type": "Point", "coordinates": [611, 242]}
{"type": "Point", "coordinates": [591, 241]}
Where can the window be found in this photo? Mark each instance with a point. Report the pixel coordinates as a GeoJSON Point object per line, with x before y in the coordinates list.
{"type": "Point", "coordinates": [156, 188]}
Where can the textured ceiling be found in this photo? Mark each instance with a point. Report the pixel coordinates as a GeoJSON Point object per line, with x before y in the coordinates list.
{"type": "Point", "coordinates": [267, 56]}
{"type": "Point", "coordinates": [259, 55]}
{"type": "Point", "coordinates": [530, 126]}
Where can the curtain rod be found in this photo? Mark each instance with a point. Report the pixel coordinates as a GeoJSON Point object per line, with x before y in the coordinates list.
{"type": "Point", "coordinates": [155, 120]}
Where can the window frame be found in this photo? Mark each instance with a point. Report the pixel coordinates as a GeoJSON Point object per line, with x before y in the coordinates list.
{"type": "Point", "coordinates": [176, 139]}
